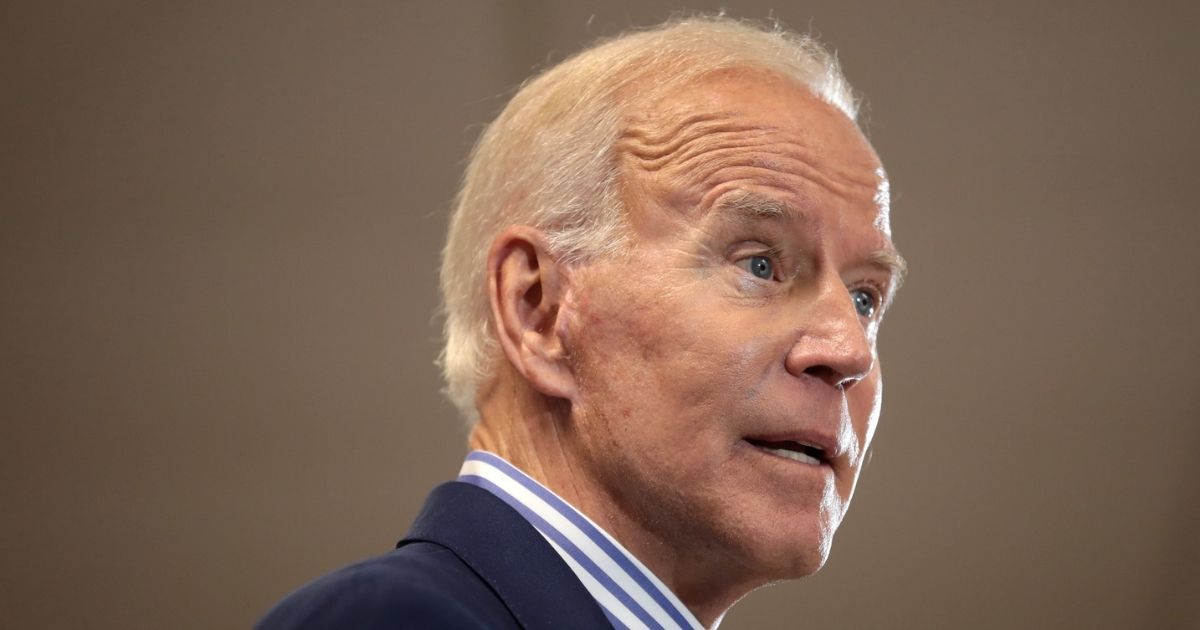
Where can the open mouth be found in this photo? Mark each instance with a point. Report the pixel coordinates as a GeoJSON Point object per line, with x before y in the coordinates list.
{"type": "Point", "coordinates": [795, 451]}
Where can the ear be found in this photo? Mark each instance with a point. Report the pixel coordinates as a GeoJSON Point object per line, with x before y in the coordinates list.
{"type": "Point", "coordinates": [525, 286]}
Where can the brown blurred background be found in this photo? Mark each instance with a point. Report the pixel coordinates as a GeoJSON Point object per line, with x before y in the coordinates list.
{"type": "Point", "coordinates": [218, 252]}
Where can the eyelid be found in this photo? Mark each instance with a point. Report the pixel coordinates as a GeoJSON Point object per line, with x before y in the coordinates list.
{"type": "Point", "coordinates": [756, 247]}
{"type": "Point", "coordinates": [775, 253]}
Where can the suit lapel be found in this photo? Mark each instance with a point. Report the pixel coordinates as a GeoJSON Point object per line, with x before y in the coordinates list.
{"type": "Point", "coordinates": [509, 554]}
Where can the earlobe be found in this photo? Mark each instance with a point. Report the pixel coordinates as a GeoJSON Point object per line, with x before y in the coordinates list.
{"type": "Point", "coordinates": [525, 286]}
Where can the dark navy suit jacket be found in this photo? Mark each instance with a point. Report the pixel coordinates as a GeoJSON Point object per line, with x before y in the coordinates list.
{"type": "Point", "coordinates": [469, 561]}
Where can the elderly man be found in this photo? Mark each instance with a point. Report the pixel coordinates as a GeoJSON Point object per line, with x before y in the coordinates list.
{"type": "Point", "coordinates": [663, 283]}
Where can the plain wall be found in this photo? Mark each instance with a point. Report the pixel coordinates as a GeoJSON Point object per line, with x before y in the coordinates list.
{"type": "Point", "coordinates": [220, 226]}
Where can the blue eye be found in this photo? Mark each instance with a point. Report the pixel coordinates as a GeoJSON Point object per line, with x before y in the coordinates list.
{"type": "Point", "coordinates": [760, 266]}
{"type": "Point", "coordinates": [864, 302]}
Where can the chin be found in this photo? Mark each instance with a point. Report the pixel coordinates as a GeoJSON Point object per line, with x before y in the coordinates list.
{"type": "Point", "coordinates": [806, 563]}
{"type": "Point", "coordinates": [798, 555]}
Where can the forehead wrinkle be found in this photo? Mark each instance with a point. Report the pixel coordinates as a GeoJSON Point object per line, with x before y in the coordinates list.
{"type": "Point", "coordinates": [701, 137]}
{"type": "Point", "coordinates": [694, 158]}
{"type": "Point", "coordinates": [706, 155]}
{"type": "Point", "coordinates": [643, 133]}
{"type": "Point", "coordinates": [740, 186]}
{"type": "Point", "coordinates": [653, 149]}
{"type": "Point", "coordinates": [781, 160]}
{"type": "Point", "coordinates": [711, 144]}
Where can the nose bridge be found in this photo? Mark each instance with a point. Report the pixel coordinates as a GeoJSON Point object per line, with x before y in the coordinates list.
{"type": "Point", "coordinates": [833, 344]}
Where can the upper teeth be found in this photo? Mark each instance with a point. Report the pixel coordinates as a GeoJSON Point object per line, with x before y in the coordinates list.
{"type": "Point", "coordinates": [804, 458]}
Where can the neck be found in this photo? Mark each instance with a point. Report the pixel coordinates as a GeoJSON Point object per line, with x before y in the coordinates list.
{"type": "Point", "coordinates": [525, 429]}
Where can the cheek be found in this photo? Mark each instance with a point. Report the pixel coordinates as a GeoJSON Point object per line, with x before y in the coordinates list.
{"type": "Point", "coordinates": [866, 400]}
{"type": "Point", "coordinates": [643, 353]}
{"type": "Point", "coordinates": [608, 348]}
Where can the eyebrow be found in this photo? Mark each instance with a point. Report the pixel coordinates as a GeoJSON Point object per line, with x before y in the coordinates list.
{"type": "Point", "coordinates": [891, 261]}
{"type": "Point", "coordinates": [748, 207]}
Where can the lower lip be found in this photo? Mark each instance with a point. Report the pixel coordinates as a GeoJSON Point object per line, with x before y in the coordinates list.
{"type": "Point", "coordinates": [815, 467]}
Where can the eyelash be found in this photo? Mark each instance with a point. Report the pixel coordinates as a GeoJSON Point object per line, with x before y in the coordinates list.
{"type": "Point", "coordinates": [775, 255]}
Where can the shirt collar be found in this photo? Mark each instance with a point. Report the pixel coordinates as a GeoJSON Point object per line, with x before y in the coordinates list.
{"type": "Point", "coordinates": [628, 593]}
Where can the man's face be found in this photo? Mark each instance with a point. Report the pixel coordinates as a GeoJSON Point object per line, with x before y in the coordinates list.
{"type": "Point", "coordinates": [728, 383]}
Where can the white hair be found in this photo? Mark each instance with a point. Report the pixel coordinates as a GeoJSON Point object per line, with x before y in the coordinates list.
{"type": "Point", "coordinates": [548, 160]}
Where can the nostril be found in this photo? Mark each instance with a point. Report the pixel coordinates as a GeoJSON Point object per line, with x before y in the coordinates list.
{"type": "Point", "coordinates": [832, 377]}
{"type": "Point", "coordinates": [825, 373]}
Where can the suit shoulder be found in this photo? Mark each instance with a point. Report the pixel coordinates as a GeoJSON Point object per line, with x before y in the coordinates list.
{"type": "Point", "coordinates": [420, 585]}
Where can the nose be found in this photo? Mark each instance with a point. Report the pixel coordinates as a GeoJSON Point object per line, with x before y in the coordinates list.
{"type": "Point", "coordinates": [833, 343]}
